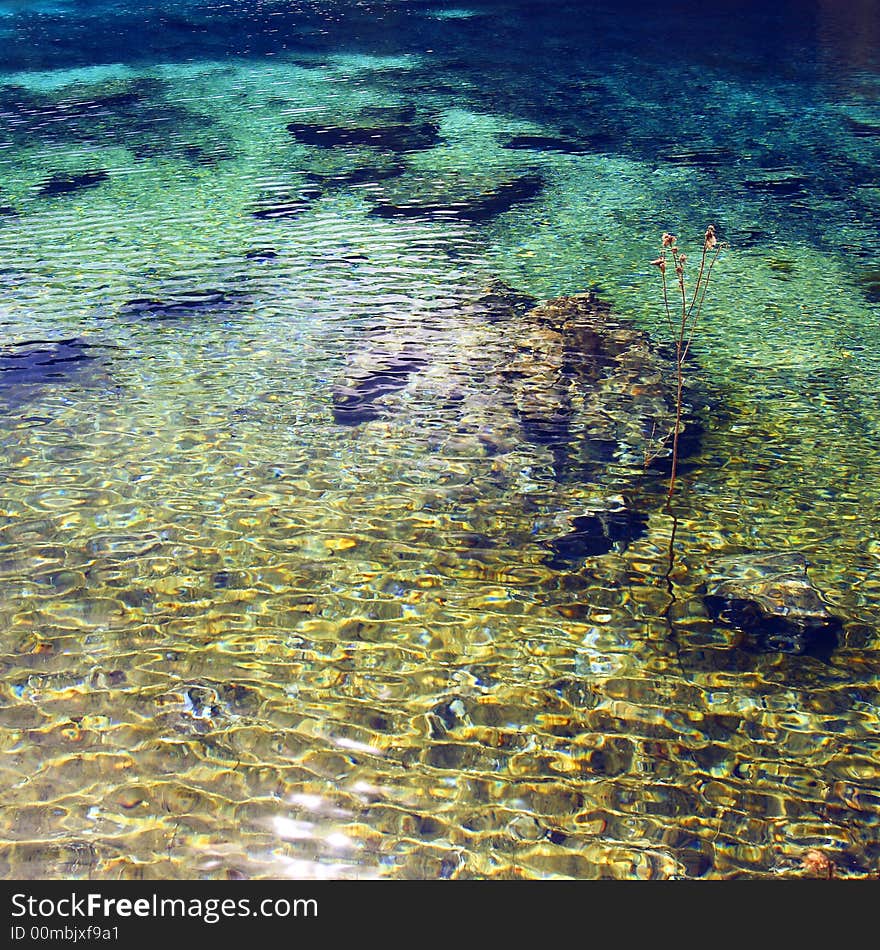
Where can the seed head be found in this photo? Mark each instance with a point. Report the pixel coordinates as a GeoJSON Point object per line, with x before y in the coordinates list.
{"type": "Point", "coordinates": [817, 863]}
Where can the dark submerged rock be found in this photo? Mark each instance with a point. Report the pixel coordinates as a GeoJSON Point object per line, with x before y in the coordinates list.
{"type": "Point", "coordinates": [700, 157]}
{"type": "Point", "coordinates": [65, 183]}
{"type": "Point", "coordinates": [593, 388]}
{"type": "Point", "coordinates": [468, 206]}
{"type": "Point", "coordinates": [781, 268]}
{"type": "Point", "coordinates": [863, 130]}
{"type": "Point", "coordinates": [261, 254]}
{"type": "Point", "coordinates": [38, 362]}
{"type": "Point", "coordinates": [783, 183]}
{"type": "Point", "coordinates": [205, 154]}
{"type": "Point", "coordinates": [183, 304]}
{"type": "Point", "coordinates": [376, 373]}
{"type": "Point", "coordinates": [772, 600]}
{"type": "Point", "coordinates": [547, 143]}
{"type": "Point", "coordinates": [868, 281]}
{"type": "Point", "coordinates": [28, 369]}
{"type": "Point", "coordinates": [360, 175]}
{"type": "Point", "coordinates": [281, 209]}
{"type": "Point", "coordinates": [288, 205]}
{"type": "Point", "coordinates": [393, 138]}
{"type": "Point", "coordinates": [596, 533]}
{"type": "Point", "coordinates": [740, 236]}
{"type": "Point", "coordinates": [44, 113]}
{"type": "Point", "coordinates": [131, 114]}
{"type": "Point", "coordinates": [501, 302]}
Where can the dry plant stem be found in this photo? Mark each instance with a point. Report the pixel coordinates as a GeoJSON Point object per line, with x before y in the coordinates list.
{"type": "Point", "coordinates": [687, 323]}
{"type": "Point", "coordinates": [679, 370]}
{"type": "Point", "coordinates": [666, 303]}
{"type": "Point", "coordinates": [703, 295]}
{"type": "Point", "coordinates": [679, 379]}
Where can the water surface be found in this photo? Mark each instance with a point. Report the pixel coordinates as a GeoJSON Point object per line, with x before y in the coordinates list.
{"type": "Point", "coordinates": [245, 636]}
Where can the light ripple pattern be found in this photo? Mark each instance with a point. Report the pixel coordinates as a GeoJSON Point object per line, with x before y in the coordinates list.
{"type": "Point", "coordinates": [277, 596]}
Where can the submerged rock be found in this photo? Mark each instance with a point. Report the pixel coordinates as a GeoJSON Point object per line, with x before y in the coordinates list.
{"type": "Point", "coordinates": [28, 368]}
{"type": "Point", "coordinates": [376, 371]}
{"type": "Point", "coordinates": [592, 387]}
{"type": "Point", "coordinates": [132, 114]}
{"type": "Point", "coordinates": [198, 708]}
{"type": "Point", "coordinates": [461, 199]}
{"type": "Point", "coordinates": [567, 375]}
{"type": "Point", "coordinates": [392, 138]}
{"type": "Point", "coordinates": [261, 254]}
{"type": "Point", "coordinates": [42, 361]}
{"type": "Point", "coordinates": [771, 598]}
{"type": "Point", "coordinates": [740, 234]}
{"type": "Point", "coordinates": [863, 130]}
{"type": "Point", "coordinates": [288, 205]}
{"type": "Point", "coordinates": [700, 157]}
{"type": "Point", "coordinates": [64, 183]}
{"type": "Point", "coordinates": [182, 304]}
{"type": "Point", "coordinates": [783, 183]}
{"type": "Point", "coordinates": [594, 533]}
{"type": "Point", "coordinates": [547, 143]}
{"type": "Point", "coordinates": [383, 364]}
{"type": "Point", "coordinates": [359, 175]}
{"type": "Point", "coordinates": [563, 390]}
{"type": "Point", "coordinates": [501, 302]}
{"type": "Point", "coordinates": [205, 154]}
{"type": "Point", "coordinates": [281, 209]}
{"type": "Point", "coordinates": [41, 113]}
{"type": "Point", "coordinates": [868, 282]}
{"type": "Point", "coordinates": [355, 166]}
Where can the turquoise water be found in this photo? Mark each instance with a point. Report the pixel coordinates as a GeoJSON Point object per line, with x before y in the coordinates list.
{"type": "Point", "coordinates": [247, 635]}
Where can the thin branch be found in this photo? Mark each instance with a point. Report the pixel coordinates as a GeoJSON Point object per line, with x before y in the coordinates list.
{"type": "Point", "coordinates": [718, 250]}
{"type": "Point", "coordinates": [684, 332]}
{"type": "Point", "coordinates": [699, 277]}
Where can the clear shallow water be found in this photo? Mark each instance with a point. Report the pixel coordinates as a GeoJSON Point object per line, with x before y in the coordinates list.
{"type": "Point", "coordinates": [241, 638]}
